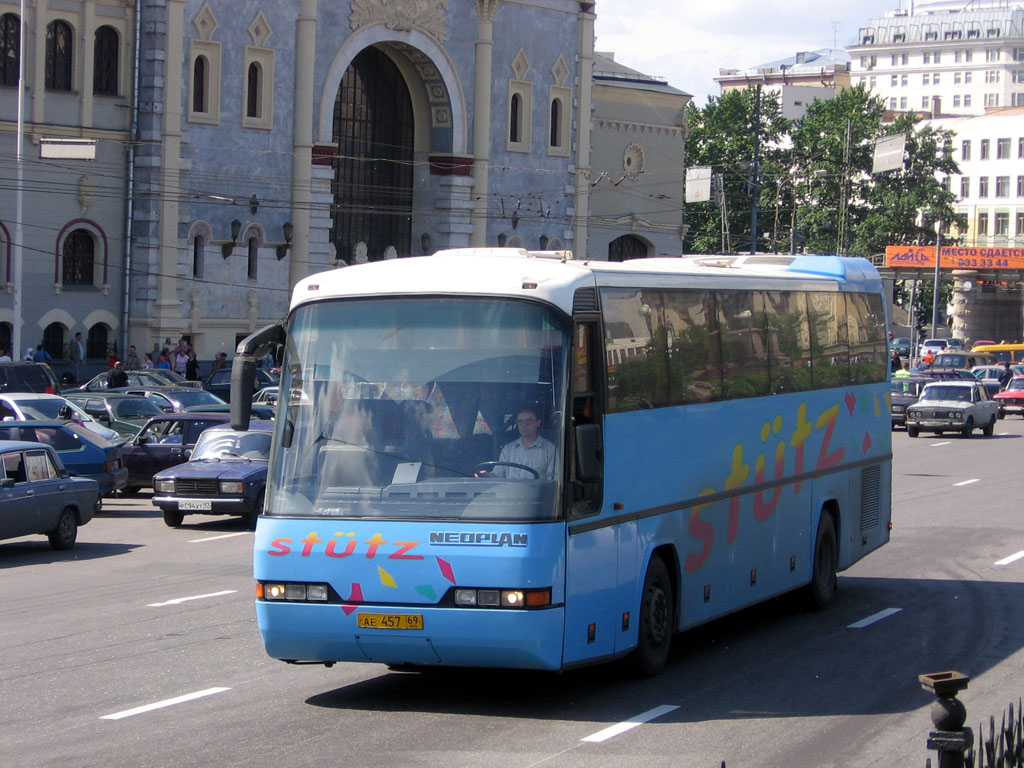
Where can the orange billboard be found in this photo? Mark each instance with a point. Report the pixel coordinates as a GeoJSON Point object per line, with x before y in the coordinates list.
{"type": "Point", "coordinates": [953, 257]}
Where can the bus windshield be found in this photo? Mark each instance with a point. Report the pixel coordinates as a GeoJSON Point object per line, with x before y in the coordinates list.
{"type": "Point", "coordinates": [401, 408]}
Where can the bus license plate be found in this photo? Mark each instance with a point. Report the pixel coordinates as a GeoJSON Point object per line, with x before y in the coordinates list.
{"type": "Point", "coordinates": [195, 505]}
{"type": "Point", "coordinates": [389, 620]}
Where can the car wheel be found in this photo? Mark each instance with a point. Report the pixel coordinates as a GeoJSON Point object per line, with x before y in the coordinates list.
{"type": "Point", "coordinates": [657, 620]}
{"type": "Point", "coordinates": [130, 490]}
{"type": "Point", "coordinates": [824, 582]}
{"type": "Point", "coordinates": [173, 518]}
{"type": "Point", "coordinates": [1000, 414]}
{"type": "Point", "coordinates": [66, 532]}
{"type": "Point", "coordinates": [989, 429]}
{"type": "Point", "coordinates": [912, 432]}
{"type": "Point", "coordinates": [968, 427]}
{"type": "Point", "coordinates": [252, 515]}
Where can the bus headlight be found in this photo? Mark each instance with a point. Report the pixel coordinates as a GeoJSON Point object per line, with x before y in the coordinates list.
{"type": "Point", "coordinates": [502, 598]}
{"type": "Point", "coordinates": [293, 593]}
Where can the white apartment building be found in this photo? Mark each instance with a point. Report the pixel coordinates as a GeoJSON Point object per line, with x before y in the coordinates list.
{"type": "Point", "coordinates": [945, 57]}
{"type": "Point", "coordinates": [990, 152]}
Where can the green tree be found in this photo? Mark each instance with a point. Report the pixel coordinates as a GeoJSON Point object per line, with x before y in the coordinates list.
{"type": "Point", "coordinates": [721, 135]}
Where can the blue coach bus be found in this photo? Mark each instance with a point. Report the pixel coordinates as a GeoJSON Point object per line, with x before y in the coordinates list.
{"type": "Point", "coordinates": [714, 432]}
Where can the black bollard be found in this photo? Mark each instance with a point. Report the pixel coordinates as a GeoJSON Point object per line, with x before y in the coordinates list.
{"type": "Point", "coordinates": [951, 740]}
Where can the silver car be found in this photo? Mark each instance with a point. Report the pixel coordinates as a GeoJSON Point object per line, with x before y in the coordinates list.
{"type": "Point", "coordinates": [29, 406]}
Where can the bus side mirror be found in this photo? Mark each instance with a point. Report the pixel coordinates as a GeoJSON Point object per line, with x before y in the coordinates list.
{"type": "Point", "coordinates": [588, 452]}
{"type": "Point", "coordinates": [243, 372]}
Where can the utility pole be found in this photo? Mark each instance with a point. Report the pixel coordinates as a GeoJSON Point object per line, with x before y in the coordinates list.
{"type": "Point", "coordinates": [844, 199]}
{"type": "Point", "coordinates": [755, 184]}
{"type": "Point", "coordinates": [935, 288]}
{"type": "Point", "coordinates": [19, 228]}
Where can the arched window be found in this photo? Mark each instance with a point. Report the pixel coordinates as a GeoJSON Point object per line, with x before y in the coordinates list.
{"type": "Point", "coordinates": [79, 253]}
{"type": "Point", "coordinates": [515, 118]}
{"type": "Point", "coordinates": [556, 123]}
{"type": "Point", "coordinates": [254, 257]}
{"type": "Point", "coordinates": [10, 48]}
{"type": "Point", "coordinates": [197, 255]}
{"type": "Point", "coordinates": [59, 56]}
{"type": "Point", "coordinates": [96, 342]}
{"type": "Point", "coordinates": [200, 72]}
{"type": "Point", "coordinates": [106, 57]}
{"type": "Point", "coordinates": [626, 247]}
{"type": "Point", "coordinates": [254, 91]}
{"type": "Point", "coordinates": [53, 340]}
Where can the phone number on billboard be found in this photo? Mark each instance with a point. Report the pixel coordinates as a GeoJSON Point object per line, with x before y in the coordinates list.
{"type": "Point", "coordinates": [982, 262]}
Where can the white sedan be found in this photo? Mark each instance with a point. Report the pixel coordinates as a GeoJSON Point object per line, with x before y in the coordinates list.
{"type": "Point", "coordinates": [953, 406]}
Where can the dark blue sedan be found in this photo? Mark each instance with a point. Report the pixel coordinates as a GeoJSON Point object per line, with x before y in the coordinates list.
{"type": "Point", "coordinates": [38, 496]}
{"type": "Point", "coordinates": [226, 475]}
{"type": "Point", "coordinates": [83, 452]}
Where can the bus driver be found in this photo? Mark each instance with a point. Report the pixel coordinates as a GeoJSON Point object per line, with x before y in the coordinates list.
{"type": "Point", "coordinates": [529, 449]}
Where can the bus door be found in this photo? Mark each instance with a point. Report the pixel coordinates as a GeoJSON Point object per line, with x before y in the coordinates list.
{"type": "Point", "coordinates": [592, 546]}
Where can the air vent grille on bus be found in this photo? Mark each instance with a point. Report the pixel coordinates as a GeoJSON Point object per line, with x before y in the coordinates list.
{"type": "Point", "coordinates": [870, 491]}
{"type": "Point", "coordinates": [585, 301]}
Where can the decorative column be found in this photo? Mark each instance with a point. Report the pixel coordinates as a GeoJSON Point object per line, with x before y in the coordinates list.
{"type": "Point", "coordinates": [87, 44]}
{"type": "Point", "coordinates": [167, 310]}
{"type": "Point", "coordinates": [302, 140]}
{"type": "Point", "coordinates": [39, 66]}
{"type": "Point", "coordinates": [485, 11]}
{"type": "Point", "coordinates": [584, 91]}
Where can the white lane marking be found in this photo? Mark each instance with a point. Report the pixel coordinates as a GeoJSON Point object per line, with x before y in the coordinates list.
{"type": "Point", "coordinates": [179, 600]}
{"type": "Point", "coordinates": [944, 442]}
{"type": "Point", "coordinates": [1011, 559]}
{"type": "Point", "coordinates": [967, 482]}
{"type": "Point", "coordinates": [164, 703]}
{"type": "Point", "coordinates": [633, 722]}
{"type": "Point", "coordinates": [222, 536]}
{"type": "Point", "coordinates": [874, 618]}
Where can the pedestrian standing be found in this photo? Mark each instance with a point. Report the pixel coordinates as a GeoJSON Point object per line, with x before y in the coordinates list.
{"type": "Point", "coordinates": [192, 367]}
{"type": "Point", "coordinates": [180, 360]}
{"type": "Point", "coordinates": [41, 355]}
{"type": "Point", "coordinates": [77, 356]}
{"type": "Point", "coordinates": [4, 357]}
{"type": "Point", "coordinates": [132, 362]}
{"type": "Point", "coordinates": [29, 354]}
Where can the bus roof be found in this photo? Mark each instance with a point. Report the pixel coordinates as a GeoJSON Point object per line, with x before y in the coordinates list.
{"type": "Point", "coordinates": [554, 277]}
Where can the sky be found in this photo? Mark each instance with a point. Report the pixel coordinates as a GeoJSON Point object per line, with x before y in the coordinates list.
{"type": "Point", "coordinates": [688, 41]}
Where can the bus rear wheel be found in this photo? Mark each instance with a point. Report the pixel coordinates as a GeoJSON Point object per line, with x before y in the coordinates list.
{"type": "Point", "coordinates": [657, 620]}
{"type": "Point", "coordinates": [824, 581]}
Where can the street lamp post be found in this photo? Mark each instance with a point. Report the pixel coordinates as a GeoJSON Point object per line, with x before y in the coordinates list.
{"type": "Point", "coordinates": [19, 231]}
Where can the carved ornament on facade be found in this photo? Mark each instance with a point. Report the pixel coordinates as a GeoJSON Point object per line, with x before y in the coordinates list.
{"type": "Point", "coordinates": [402, 15]}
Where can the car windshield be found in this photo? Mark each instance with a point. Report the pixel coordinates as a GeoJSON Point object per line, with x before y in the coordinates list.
{"type": "Point", "coordinates": [945, 392]}
{"type": "Point", "coordinates": [194, 397]}
{"type": "Point", "coordinates": [1015, 384]}
{"type": "Point", "coordinates": [162, 376]}
{"type": "Point", "coordinates": [135, 408]}
{"type": "Point", "coordinates": [905, 387]}
{"type": "Point", "coordinates": [396, 405]}
{"type": "Point", "coordinates": [228, 444]}
{"type": "Point", "coordinates": [49, 408]}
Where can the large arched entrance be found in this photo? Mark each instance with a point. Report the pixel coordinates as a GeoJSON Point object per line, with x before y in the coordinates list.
{"type": "Point", "coordinates": [374, 129]}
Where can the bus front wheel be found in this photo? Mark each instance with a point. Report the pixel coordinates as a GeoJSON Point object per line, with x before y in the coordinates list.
{"type": "Point", "coordinates": [657, 620]}
{"type": "Point", "coordinates": [824, 581]}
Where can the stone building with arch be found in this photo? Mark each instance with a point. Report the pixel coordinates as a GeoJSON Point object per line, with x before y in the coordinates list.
{"type": "Point", "coordinates": [78, 68]}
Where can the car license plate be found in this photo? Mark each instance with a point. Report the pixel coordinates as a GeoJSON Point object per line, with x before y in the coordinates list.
{"type": "Point", "coordinates": [389, 620]}
{"type": "Point", "coordinates": [197, 505]}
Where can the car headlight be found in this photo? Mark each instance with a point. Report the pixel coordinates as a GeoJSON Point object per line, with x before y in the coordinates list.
{"type": "Point", "coordinates": [164, 486]}
{"type": "Point", "coordinates": [231, 486]}
{"type": "Point", "coordinates": [956, 415]}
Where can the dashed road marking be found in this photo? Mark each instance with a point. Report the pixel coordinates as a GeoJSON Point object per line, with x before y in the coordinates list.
{"type": "Point", "coordinates": [633, 722]}
{"type": "Point", "coordinates": [164, 703]}
{"type": "Point", "coordinates": [873, 618]}
{"type": "Point", "coordinates": [222, 536]}
{"type": "Point", "coordinates": [1011, 559]}
{"type": "Point", "coordinates": [972, 481]}
{"type": "Point", "coordinates": [179, 600]}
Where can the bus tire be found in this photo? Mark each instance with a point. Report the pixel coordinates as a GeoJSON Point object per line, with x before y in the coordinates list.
{"type": "Point", "coordinates": [657, 620]}
{"type": "Point", "coordinates": [824, 582]}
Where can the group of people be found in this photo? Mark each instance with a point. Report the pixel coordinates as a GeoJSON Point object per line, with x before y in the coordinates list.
{"type": "Point", "coordinates": [180, 358]}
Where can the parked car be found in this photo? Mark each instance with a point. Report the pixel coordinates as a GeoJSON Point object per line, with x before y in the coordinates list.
{"type": "Point", "coordinates": [164, 441]}
{"type": "Point", "coordinates": [125, 414]}
{"type": "Point", "coordinates": [954, 343]}
{"type": "Point", "coordinates": [1011, 399]}
{"type": "Point", "coordinates": [904, 392]}
{"type": "Point", "coordinates": [901, 346]}
{"type": "Point", "coordinates": [38, 495]}
{"type": "Point", "coordinates": [173, 399]}
{"type": "Point", "coordinates": [171, 378]}
{"type": "Point", "coordinates": [18, 376]}
{"type": "Point", "coordinates": [29, 406]}
{"type": "Point", "coordinates": [226, 475]}
{"type": "Point", "coordinates": [219, 382]}
{"type": "Point", "coordinates": [935, 346]}
{"type": "Point", "coordinates": [83, 453]}
{"type": "Point", "coordinates": [953, 406]}
{"type": "Point", "coordinates": [264, 412]}
{"type": "Point", "coordinates": [267, 395]}
{"type": "Point", "coordinates": [959, 358]}
{"type": "Point", "coordinates": [150, 377]}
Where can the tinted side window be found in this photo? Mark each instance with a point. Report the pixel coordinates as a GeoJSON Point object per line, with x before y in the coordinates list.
{"type": "Point", "coordinates": [194, 428]}
{"type": "Point", "coordinates": [60, 439]}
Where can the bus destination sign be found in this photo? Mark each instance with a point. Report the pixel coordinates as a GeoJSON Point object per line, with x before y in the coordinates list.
{"type": "Point", "coordinates": [953, 257]}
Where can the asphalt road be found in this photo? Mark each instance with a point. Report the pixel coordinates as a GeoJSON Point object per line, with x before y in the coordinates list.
{"type": "Point", "coordinates": [138, 615]}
